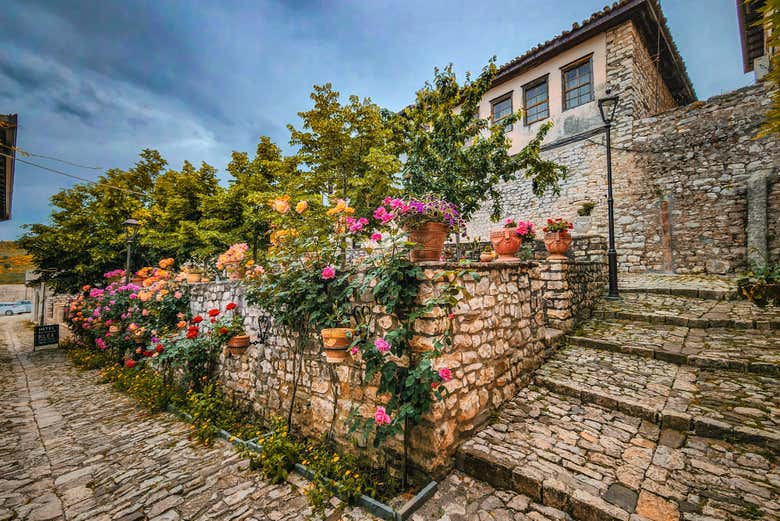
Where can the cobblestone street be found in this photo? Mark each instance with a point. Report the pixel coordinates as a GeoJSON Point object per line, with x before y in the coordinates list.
{"type": "Point", "coordinates": [74, 449]}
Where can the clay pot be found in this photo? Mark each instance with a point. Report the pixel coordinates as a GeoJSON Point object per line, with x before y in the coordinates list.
{"type": "Point", "coordinates": [335, 341]}
{"type": "Point", "coordinates": [486, 256]}
{"type": "Point", "coordinates": [557, 244]}
{"type": "Point", "coordinates": [138, 281]}
{"type": "Point", "coordinates": [193, 278]}
{"type": "Point", "coordinates": [506, 242]}
{"type": "Point", "coordinates": [429, 240]}
{"type": "Point", "coordinates": [238, 344]}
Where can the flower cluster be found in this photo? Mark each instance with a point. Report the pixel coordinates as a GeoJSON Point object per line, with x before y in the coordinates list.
{"type": "Point", "coordinates": [525, 229]}
{"type": "Point", "coordinates": [412, 213]}
{"type": "Point", "coordinates": [558, 226]}
{"type": "Point", "coordinates": [233, 257]}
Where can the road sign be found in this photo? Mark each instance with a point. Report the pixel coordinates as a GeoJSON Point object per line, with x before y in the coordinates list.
{"type": "Point", "coordinates": [45, 335]}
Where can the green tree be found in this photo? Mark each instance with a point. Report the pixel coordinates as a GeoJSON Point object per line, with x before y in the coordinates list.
{"type": "Point", "coordinates": [169, 227]}
{"type": "Point", "coordinates": [346, 150]}
{"type": "Point", "coordinates": [455, 154]}
{"type": "Point", "coordinates": [85, 237]}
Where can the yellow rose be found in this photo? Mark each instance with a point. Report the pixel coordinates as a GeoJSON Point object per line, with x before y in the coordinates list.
{"type": "Point", "coordinates": [301, 206]}
{"type": "Point", "coordinates": [281, 204]}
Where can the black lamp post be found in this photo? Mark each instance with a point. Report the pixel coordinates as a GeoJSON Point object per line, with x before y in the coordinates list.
{"type": "Point", "coordinates": [131, 232]}
{"type": "Point", "coordinates": [607, 107]}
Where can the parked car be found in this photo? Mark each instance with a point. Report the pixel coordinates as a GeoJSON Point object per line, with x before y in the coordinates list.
{"type": "Point", "coordinates": [12, 308]}
{"type": "Point", "coordinates": [27, 305]}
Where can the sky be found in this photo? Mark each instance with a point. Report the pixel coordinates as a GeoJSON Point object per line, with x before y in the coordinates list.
{"type": "Point", "coordinates": [96, 81]}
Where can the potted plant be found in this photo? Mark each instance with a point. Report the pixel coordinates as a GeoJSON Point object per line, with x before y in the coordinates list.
{"type": "Point", "coordinates": [507, 241]}
{"type": "Point", "coordinates": [486, 255]}
{"type": "Point", "coordinates": [582, 223]}
{"type": "Point", "coordinates": [232, 261]}
{"type": "Point", "coordinates": [761, 284]}
{"type": "Point", "coordinates": [336, 331]}
{"type": "Point", "coordinates": [427, 220]}
{"type": "Point", "coordinates": [229, 329]}
{"type": "Point", "coordinates": [557, 238]}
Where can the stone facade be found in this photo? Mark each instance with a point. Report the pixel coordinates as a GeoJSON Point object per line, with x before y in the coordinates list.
{"type": "Point", "coordinates": [498, 341]}
{"type": "Point", "coordinates": [680, 174]}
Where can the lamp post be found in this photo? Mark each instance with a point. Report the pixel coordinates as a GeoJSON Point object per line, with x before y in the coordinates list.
{"type": "Point", "coordinates": [131, 231]}
{"type": "Point", "coordinates": [607, 107]}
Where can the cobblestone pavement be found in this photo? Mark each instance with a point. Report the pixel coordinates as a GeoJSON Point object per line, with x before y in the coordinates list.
{"type": "Point", "coordinates": [461, 498]}
{"type": "Point", "coordinates": [686, 311]}
{"type": "Point", "coordinates": [73, 449]}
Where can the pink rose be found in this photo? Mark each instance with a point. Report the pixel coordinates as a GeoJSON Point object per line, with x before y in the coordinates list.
{"type": "Point", "coordinates": [445, 374]}
{"type": "Point", "coordinates": [382, 345]}
{"type": "Point", "coordinates": [376, 236]}
{"type": "Point", "coordinates": [381, 417]}
{"type": "Point", "coordinates": [328, 272]}
{"type": "Point", "coordinates": [354, 350]}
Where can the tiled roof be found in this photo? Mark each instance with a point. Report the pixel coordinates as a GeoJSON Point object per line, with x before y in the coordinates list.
{"type": "Point", "coordinates": [648, 11]}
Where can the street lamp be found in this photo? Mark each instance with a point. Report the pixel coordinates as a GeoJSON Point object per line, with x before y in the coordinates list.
{"type": "Point", "coordinates": [607, 106]}
{"type": "Point", "coordinates": [131, 231]}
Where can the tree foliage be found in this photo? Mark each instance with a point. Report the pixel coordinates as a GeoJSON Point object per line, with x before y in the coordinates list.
{"type": "Point", "coordinates": [461, 157]}
{"type": "Point", "coordinates": [771, 22]}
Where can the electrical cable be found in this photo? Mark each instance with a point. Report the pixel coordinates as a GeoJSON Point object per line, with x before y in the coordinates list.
{"type": "Point", "coordinates": [26, 153]}
{"type": "Point", "coordinates": [53, 170]}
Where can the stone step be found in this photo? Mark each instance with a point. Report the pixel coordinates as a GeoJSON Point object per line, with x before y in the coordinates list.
{"type": "Point", "coordinates": [597, 463]}
{"type": "Point", "coordinates": [688, 311]}
{"type": "Point", "coordinates": [749, 350]}
{"type": "Point", "coordinates": [712, 287]}
{"type": "Point", "coordinates": [711, 402]}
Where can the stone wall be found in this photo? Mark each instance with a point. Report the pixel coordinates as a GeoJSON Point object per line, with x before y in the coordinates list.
{"type": "Point", "coordinates": [498, 341]}
{"type": "Point", "coordinates": [497, 345]}
{"type": "Point", "coordinates": [571, 289]}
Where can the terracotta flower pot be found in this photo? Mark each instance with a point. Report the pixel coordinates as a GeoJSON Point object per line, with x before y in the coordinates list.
{"type": "Point", "coordinates": [193, 278]}
{"type": "Point", "coordinates": [506, 242]}
{"type": "Point", "coordinates": [557, 244]}
{"type": "Point", "coordinates": [429, 241]}
{"type": "Point", "coordinates": [138, 281]}
{"type": "Point", "coordinates": [335, 341]}
{"type": "Point", "coordinates": [486, 256]}
{"type": "Point", "coordinates": [238, 344]}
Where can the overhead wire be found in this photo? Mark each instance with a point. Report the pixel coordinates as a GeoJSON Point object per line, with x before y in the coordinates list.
{"type": "Point", "coordinates": [72, 176]}
{"type": "Point", "coordinates": [33, 154]}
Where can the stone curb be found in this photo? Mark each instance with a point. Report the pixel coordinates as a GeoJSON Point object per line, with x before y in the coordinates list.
{"type": "Point", "coordinates": [709, 294]}
{"type": "Point", "coordinates": [375, 507]}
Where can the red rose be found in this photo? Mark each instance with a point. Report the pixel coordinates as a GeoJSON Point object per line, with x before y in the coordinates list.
{"type": "Point", "coordinates": [192, 333]}
{"type": "Point", "coordinates": [129, 364]}
{"type": "Point", "coordinates": [231, 306]}
{"type": "Point", "coordinates": [159, 348]}
{"type": "Point", "coordinates": [434, 385]}
{"type": "Point", "coordinates": [197, 320]}
{"type": "Point", "coordinates": [148, 353]}
{"type": "Point", "coordinates": [223, 330]}
{"type": "Point", "coordinates": [213, 320]}
{"type": "Point", "coordinates": [213, 312]}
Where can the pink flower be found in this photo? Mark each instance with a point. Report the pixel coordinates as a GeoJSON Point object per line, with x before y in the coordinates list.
{"type": "Point", "coordinates": [376, 236]}
{"type": "Point", "coordinates": [381, 417]}
{"type": "Point", "coordinates": [328, 272]}
{"type": "Point", "coordinates": [145, 312]}
{"type": "Point", "coordinates": [354, 350]}
{"type": "Point", "coordinates": [445, 374]}
{"type": "Point", "coordinates": [100, 343]}
{"type": "Point", "coordinates": [133, 296]}
{"type": "Point", "coordinates": [177, 294]}
{"type": "Point", "coordinates": [380, 212]}
{"type": "Point", "coordinates": [382, 345]}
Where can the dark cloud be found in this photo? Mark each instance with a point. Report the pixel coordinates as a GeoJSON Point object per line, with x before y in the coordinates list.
{"type": "Point", "coordinates": [96, 81]}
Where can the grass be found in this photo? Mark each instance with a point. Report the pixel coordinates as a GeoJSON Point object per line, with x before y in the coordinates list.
{"type": "Point", "coordinates": [14, 262]}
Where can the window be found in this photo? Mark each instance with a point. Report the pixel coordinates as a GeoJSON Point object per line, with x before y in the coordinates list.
{"type": "Point", "coordinates": [501, 108]}
{"type": "Point", "coordinates": [578, 83]}
{"type": "Point", "coordinates": [536, 101]}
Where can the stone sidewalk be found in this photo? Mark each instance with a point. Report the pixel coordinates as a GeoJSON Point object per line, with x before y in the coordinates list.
{"type": "Point", "coordinates": [74, 449]}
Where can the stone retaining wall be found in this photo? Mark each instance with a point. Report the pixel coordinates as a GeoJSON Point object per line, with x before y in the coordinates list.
{"type": "Point", "coordinates": [498, 341]}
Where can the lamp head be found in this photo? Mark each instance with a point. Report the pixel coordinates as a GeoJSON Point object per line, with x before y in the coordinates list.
{"type": "Point", "coordinates": [607, 106]}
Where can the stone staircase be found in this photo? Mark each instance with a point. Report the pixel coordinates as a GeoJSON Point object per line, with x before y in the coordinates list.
{"type": "Point", "coordinates": [665, 405]}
